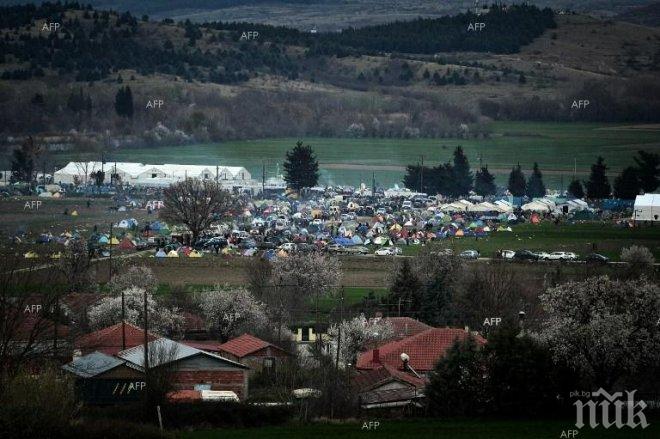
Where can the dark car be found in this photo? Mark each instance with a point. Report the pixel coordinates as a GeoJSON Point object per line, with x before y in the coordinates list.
{"type": "Point", "coordinates": [265, 245]}
{"type": "Point", "coordinates": [596, 258]}
{"type": "Point", "coordinates": [525, 255]}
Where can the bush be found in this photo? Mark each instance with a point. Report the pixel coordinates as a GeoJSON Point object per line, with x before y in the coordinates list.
{"type": "Point", "coordinates": [34, 404]}
{"type": "Point", "coordinates": [637, 255]}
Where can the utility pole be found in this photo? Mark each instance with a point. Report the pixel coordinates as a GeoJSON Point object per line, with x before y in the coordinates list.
{"type": "Point", "coordinates": [110, 257]}
{"type": "Point", "coordinates": [421, 176]}
{"type": "Point", "coordinates": [341, 319]}
{"type": "Point", "coordinates": [146, 343]}
{"type": "Point", "coordinates": [263, 179]}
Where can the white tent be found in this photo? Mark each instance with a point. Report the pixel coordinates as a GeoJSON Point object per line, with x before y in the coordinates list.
{"type": "Point", "coordinates": [647, 207]}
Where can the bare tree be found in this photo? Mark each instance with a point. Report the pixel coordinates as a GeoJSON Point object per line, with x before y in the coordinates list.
{"type": "Point", "coordinates": [28, 322]}
{"type": "Point", "coordinates": [196, 203]}
{"type": "Point", "coordinates": [75, 266]}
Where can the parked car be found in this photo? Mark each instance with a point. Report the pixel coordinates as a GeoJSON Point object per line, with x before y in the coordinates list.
{"type": "Point", "coordinates": [525, 255]}
{"type": "Point", "coordinates": [561, 256]}
{"type": "Point", "coordinates": [469, 254]}
{"type": "Point", "coordinates": [335, 248]}
{"type": "Point", "coordinates": [388, 251]}
{"type": "Point", "coordinates": [289, 247]}
{"type": "Point", "coordinates": [543, 256]}
{"type": "Point", "coordinates": [506, 254]}
{"type": "Point", "coordinates": [357, 249]}
{"type": "Point", "coordinates": [596, 258]}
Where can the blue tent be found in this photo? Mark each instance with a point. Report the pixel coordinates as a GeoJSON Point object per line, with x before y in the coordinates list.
{"type": "Point", "coordinates": [343, 241]}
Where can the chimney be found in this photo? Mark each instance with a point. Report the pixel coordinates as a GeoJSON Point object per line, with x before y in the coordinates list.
{"type": "Point", "coordinates": [376, 356]}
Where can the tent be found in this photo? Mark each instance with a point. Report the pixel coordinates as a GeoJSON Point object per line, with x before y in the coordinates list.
{"type": "Point", "coordinates": [127, 244]}
{"type": "Point", "coordinates": [31, 255]}
{"type": "Point", "coordinates": [194, 254]}
{"type": "Point", "coordinates": [647, 207]}
{"type": "Point", "coordinates": [114, 241]}
{"type": "Point", "coordinates": [172, 254]}
{"type": "Point", "coordinates": [160, 254]}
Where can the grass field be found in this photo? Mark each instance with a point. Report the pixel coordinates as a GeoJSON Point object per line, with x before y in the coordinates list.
{"type": "Point", "coordinates": [581, 238]}
{"type": "Point", "coordinates": [557, 147]}
{"type": "Point", "coordinates": [429, 429]}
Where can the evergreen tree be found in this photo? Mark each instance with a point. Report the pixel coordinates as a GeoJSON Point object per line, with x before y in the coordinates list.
{"type": "Point", "coordinates": [405, 289]}
{"type": "Point", "coordinates": [535, 186]}
{"type": "Point", "coordinates": [484, 182]}
{"type": "Point", "coordinates": [124, 102]}
{"type": "Point", "coordinates": [598, 185]}
{"type": "Point", "coordinates": [626, 184]}
{"type": "Point", "coordinates": [301, 167]}
{"type": "Point", "coordinates": [648, 170]}
{"type": "Point", "coordinates": [575, 189]}
{"type": "Point", "coordinates": [517, 184]}
{"type": "Point", "coordinates": [462, 176]}
{"type": "Point", "coordinates": [24, 160]}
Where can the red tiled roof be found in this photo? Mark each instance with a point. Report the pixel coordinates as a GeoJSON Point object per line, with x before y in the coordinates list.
{"type": "Point", "coordinates": [406, 326]}
{"type": "Point", "coordinates": [424, 349]}
{"type": "Point", "coordinates": [109, 340]}
{"type": "Point", "coordinates": [245, 345]}
{"type": "Point", "coordinates": [368, 379]}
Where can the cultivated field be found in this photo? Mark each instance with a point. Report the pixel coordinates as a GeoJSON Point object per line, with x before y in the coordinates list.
{"type": "Point", "coordinates": [559, 148]}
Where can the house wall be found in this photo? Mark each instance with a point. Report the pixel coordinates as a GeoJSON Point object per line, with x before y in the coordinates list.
{"type": "Point", "coordinates": [256, 360]}
{"type": "Point", "coordinates": [207, 370]}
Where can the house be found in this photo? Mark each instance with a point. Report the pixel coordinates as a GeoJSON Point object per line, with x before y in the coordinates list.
{"type": "Point", "coordinates": [422, 351]}
{"type": "Point", "coordinates": [103, 379]}
{"type": "Point", "coordinates": [254, 352]}
{"type": "Point", "coordinates": [111, 340]}
{"type": "Point", "coordinates": [191, 368]}
{"type": "Point", "coordinates": [387, 387]}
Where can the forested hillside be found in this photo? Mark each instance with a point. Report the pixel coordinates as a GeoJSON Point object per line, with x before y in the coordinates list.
{"type": "Point", "coordinates": [226, 80]}
{"type": "Point", "coordinates": [92, 44]}
{"type": "Point", "coordinates": [507, 29]}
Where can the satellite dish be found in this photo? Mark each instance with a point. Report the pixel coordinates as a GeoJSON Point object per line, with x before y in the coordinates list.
{"type": "Point", "coordinates": [404, 357]}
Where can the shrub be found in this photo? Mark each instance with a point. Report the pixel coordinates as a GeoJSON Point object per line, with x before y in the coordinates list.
{"type": "Point", "coordinates": [33, 404]}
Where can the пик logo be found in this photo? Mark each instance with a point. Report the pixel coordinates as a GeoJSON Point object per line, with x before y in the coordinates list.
{"type": "Point", "coordinates": [633, 410]}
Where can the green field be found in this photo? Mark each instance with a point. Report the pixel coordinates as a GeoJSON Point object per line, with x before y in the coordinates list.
{"type": "Point", "coordinates": [429, 429]}
{"type": "Point", "coordinates": [581, 238]}
{"type": "Point", "coordinates": [557, 147]}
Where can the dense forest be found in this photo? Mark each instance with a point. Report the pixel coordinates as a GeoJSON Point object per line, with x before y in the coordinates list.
{"type": "Point", "coordinates": [507, 29]}
{"type": "Point", "coordinates": [92, 44]}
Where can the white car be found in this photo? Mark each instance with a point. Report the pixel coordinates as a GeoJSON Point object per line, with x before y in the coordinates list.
{"type": "Point", "coordinates": [507, 254]}
{"type": "Point", "coordinates": [289, 247]}
{"type": "Point", "coordinates": [562, 256]}
{"type": "Point", "coordinates": [388, 251]}
{"type": "Point", "coordinates": [543, 256]}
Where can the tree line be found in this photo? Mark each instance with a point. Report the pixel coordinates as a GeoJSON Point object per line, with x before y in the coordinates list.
{"type": "Point", "coordinates": [455, 179]}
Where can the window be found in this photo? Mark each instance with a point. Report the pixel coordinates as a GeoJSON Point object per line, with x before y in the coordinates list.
{"type": "Point", "coordinates": [202, 386]}
{"type": "Point", "coordinates": [305, 334]}
{"type": "Point", "coordinates": [154, 175]}
{"type": "Point", "coordinates": [269, 363]}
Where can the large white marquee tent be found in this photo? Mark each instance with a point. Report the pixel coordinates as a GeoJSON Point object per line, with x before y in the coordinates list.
{"type": "Point", "coordinates": [140, 174]}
